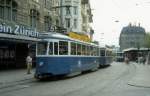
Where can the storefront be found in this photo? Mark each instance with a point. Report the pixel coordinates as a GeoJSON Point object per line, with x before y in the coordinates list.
{"type": "Point", "coordinates": [16, 42]}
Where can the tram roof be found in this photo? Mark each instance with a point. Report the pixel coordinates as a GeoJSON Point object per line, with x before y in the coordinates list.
{"type": "Point", "coordinates": [54, 35]}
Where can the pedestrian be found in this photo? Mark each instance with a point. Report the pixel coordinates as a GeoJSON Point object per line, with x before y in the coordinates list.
{"type": "Point", "coordinates": [126, 60]}
{"type": "Point", "coordinates": [148, 59]}
{"type": "Point", "coordinates": [29, 64]}
{"type": "Point", "coordinates": [140, 59]}
{"type": "Point", "coordinates": [144, 60]}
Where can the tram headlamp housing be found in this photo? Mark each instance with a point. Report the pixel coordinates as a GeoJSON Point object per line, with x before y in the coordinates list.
{"type": "Point", "coordinates": [41, 63]}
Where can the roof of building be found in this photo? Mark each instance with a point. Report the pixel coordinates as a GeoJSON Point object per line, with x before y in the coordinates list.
{"type": "Point", "coordinates": [133, 29]}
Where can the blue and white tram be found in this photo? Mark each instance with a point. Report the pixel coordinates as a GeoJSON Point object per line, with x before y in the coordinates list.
{"type": "Point", "coordinates": [61, 55]}
{"type": "Point", "coordinates": [106, 57]}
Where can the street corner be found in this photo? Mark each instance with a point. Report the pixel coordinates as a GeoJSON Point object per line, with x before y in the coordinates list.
{"type": "Point", "coordinates": [139, 82]}
{"type": "Point", "coordinates": [141, 77]}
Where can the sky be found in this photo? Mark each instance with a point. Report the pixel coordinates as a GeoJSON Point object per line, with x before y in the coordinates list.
{"type": "Point", "coordinates": [110, 16]}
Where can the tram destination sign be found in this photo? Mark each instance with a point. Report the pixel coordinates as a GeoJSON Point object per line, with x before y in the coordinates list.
{"type": "Point", "coordinates": [54, 28]}
{"type": "Point", "coordinates": [18, 30]}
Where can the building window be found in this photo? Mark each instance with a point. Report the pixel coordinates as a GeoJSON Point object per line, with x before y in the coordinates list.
{"type": "Point", "coordinates": [68, 22]}
{"type": "Point", "coordinates": [34, 15]}
{"type": "Point", "coordinates": [2, 12]}
{"type": "Point", "coordinates": [47, 3]}
{"type": "Point", "coordinates": [47, 22]}
{"type": "Point", "coordinates": [57, 22]}
{"type": "Point", "coordinates": [14, 11]}
{"type": "Point", "coordinates": [68, 10]}
{"type": "Point", "coordinates": [8, 10]}
{"type": "Point", "coordinates": [75, 23]}
{"type": "Point", "coordinates": [36, 0]}
{"type": "Point", "coordinates": [75, 10]}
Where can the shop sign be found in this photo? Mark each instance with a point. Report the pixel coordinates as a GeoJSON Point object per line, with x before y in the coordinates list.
{"type": "Point", "coordinates": [18, 30]}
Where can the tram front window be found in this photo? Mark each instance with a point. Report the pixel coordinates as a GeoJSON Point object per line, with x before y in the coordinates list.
{"type": "Point", "coordinates": [63, 48]}
{"type": "Point", "coordinates": [41, 48]}
{"type": "Point", "coordinates": [102, 52]}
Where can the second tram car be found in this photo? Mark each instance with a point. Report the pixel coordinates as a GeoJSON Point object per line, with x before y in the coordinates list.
{"type": "Point", "coordinates": [61, 55]}
{"type": "Point", "coordinates": [119, 57]}
{"type": "Point", "coordinates": [106, 57]}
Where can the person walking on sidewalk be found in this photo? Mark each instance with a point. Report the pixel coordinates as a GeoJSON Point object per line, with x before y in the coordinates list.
{"type": "Point", "coordinates": [126, 60]}
{"type": "Point", "coordinates": [29, 64]}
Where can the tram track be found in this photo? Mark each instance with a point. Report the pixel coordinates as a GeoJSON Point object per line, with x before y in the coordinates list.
{"type": "Point", "coordinates": [32, 82]}
{"type": "Point", "coordinates": [94, 88]}
{"type": "Point", "coordinates": [122, 78]}
{"type": "Point", "coordinates": [17, 85]}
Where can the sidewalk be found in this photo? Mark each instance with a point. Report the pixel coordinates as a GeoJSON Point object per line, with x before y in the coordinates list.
{"type": "Point", "coordinates": [141, 77]}
{"type": "Point", "coordinates": [12, 77]}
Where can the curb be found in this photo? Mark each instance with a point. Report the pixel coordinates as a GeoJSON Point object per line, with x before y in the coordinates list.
{"type": "Point", "coordinates": [141, 77]}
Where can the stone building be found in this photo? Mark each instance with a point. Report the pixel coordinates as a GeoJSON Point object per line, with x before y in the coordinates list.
{"type": "Point", "coordinates": [132, 36]}
{"type": "Point", "coordinates": [22, 20]}
{"type": "Point", "coordinates": [87, 18]}
{"type": "Point", "coordinates": [20, 23]}
{"type": "Point", "coordinates": [76, 17]}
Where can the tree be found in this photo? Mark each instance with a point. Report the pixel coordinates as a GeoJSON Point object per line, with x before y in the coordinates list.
{"type": "Point", "coordinates": [147, 40]}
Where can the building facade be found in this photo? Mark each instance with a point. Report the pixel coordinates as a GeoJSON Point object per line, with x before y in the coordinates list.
{"type": "Point", "coordinates": [76, 17]}
{"type": "Point", "coordinates": [20, 24]}
{"type": "Point", "coordinates": [21, 21]}
{"type": "Point", "coordinates": [87, 18]}
{"type": "Point", "coordinates": [70, 12]}
{"type": "Point", "coordinates": [132, 36]}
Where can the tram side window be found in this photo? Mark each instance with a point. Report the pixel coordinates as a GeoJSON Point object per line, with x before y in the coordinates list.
{"type": "Point", "coordinates": [63, 48]}
{"type": "Point", "coordinates": [73, 48]}
{"type": "Point", "coordinates": [50, 48]}
{"type": "Point", "coordinates": [108, 53]}
{"type": "Point", "coordinates": [83, 50]}
{"type": "Point", "coordinates": [91, 50]}
{"type": "Point", "coordinates": [56, 48]}
{"type": "Point", "coordinates": [102, 52]}
{"type": "Point", "coordinates": [88, 50]}
{"type": "Point", "coordinates": [78, 49]}
{"type": "Point", "coordinates": [95, 51]}
{"type": "Point", "coordinates": [41, 48]}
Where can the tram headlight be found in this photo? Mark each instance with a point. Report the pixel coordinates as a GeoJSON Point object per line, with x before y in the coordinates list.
{"type": "Point", "coordinates": [41, 63]}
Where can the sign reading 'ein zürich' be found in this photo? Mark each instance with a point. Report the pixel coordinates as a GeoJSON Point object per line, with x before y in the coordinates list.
{"type": "Point", "coordinates": [18, 30]}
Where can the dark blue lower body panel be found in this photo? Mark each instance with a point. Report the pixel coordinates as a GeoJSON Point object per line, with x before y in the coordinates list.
{"type": "Point", "coordinates": [64, 65]}
{"type": "Point", "coordinates": [103, 61]}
